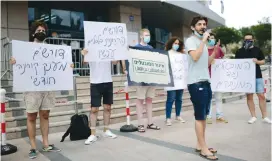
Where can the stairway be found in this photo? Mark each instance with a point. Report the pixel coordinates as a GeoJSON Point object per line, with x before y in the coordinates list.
{"type": "Point", "coordinates": [65, 106]}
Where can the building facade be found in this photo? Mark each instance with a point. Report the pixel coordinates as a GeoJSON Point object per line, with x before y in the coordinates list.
{"type": "Point", "coordinates": [162, 18]}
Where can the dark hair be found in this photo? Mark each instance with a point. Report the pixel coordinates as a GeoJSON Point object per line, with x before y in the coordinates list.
{"type": "Point", "coordinates": [34, 27]}
{"type": "Point", "coordinates": [171, 41]}
{"type": "Point", "coordinates": [198, 18]}
{"type": "Point", "coordinates": [249, 34]}
{"type": "Point", "coordinates": [212, 34]}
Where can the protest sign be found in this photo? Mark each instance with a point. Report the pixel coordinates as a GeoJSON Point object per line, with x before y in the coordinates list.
{"type": "Point", "coordinates": [233, 75]}
{"type": "Point", "coordinates": [105, 41]}
{"type": "Point", "coordinates": [179, 65]}
{"type": "Point", "coordinates": [41, 67]}
{"type": "Point", "coordinates": [149, 67]}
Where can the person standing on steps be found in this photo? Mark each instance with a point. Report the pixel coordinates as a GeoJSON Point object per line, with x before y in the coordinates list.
{"type": "Point", "coordinates": [218, 95]}
{"type": "Point", "coordinates": [250, 51]}
{"type": "Point", "coordinates": [101, 87]}
{"type": "Point", "coordinates": [38, 102]}
{"type": "Point", "coordinates": [174, 46]}
{"type": "Point", "coordinates": [146, 93]}
{"type": "Point", "coordinates": [199, 81]}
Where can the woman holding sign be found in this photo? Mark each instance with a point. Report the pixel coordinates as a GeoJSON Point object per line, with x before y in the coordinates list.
{"type": "Point", "coordinates": [174, 46]}
{"type": "Point", "coordinates": [38, 101]}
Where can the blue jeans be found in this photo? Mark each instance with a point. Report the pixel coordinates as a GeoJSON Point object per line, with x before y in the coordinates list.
{"type": "Point", "coordinates": [201, 96]}
{"type": "Point", "coordinates": [175, 95]}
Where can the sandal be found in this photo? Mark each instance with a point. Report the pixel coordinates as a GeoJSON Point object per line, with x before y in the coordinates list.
{"type": "Point", "coordinates": [141, 128]}
{"type": "Point", "coordinates": [210, 149]}
{"type": "Point", "coordinates": [209, 157]}
{"type": "Point", "coordinates": [153, 127]}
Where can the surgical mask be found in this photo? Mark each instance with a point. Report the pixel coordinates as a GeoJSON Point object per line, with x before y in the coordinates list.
{"type": "Point", "coordinates": [211, 42]}
{"type": "Point", "coordinates": [247, 44]}
{"type": "Point", "coordinates": [40, 36]}
{"type": "Point", "coordinates": [175, 47]}
{"type": "Point", "coordinates": [198, 35]}
{"type": "Point", "coordinates": [146, 39]}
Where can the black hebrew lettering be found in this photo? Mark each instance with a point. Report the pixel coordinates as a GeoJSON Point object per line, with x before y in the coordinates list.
{"type": "Point", "coordinates": [224, 65]}
{"type": "Point", "coordinates": [233, 85]}
{"type": "Point", "coordinates": [46, 53]}
{"type": "Point", "coordinates": [37, 81]}
{"type": "Point", "coordinates": [113, 30]}
{"type": "Point", "coordinates": [24, 67]}
{"type": "Point", "coordinates": [95, 40]}
{"type": "Point", "coordinates": [106, 54]}
{"type": "Point", "coordinates": [46, 67]}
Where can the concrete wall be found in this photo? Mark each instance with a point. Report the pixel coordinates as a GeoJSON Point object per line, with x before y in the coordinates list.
{"type": "Point", "coordinates": [14, 20]}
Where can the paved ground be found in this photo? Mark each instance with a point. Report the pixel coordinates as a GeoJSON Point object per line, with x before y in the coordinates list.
{"type": "Point", "coordinates": [235, 141]}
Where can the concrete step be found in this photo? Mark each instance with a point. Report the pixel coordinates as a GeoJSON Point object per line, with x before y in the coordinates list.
{"type": "Point", "coordinates": [61, 126]}
{"type": "Point", "coordinates": [61, 111]}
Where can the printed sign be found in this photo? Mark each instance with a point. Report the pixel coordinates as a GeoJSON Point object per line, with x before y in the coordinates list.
{"type": "Point", "coordinates": [105, 41]}
{"type": "Point", "coordinates": [41, 67]}
{"type": "Point", "coordinates": [149, 67]}
{"type": "Point", "coordinates": [179, 65]}
{"type": "Point", "coordinates": [233, 75]}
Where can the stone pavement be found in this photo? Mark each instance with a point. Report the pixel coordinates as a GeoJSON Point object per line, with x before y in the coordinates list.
{"type": "Point", "coordinates": [235, 141]}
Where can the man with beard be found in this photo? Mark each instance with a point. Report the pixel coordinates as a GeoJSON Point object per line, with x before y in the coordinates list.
{"type": "Point", "coordinates": [199, 81]}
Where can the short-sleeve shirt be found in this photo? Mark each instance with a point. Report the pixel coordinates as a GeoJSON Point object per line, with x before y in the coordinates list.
{"type": "Point", "coordinates": [198, 70]}
{"type": "Point", "coordinates": [219, 55]}
{"type": "Point", "coordinates": [254, 52]}
{"type": "Point", "coordinates": [144, 47]}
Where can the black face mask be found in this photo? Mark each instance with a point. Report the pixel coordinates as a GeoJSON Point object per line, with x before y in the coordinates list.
{"type": "Point", "coordinates": [247, 44]}
{"type": "Point", "coordinates": [40, 36]}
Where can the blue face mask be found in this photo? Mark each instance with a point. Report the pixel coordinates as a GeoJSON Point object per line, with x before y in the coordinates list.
{"type": "Point", "coordinates": [211, 42]}
{"type": "Point", "coordinates": [198, 35]}
{"type": "Point", "coordinates": [146, 39]}
{"type": "Point", "coordinates": [175, 47]}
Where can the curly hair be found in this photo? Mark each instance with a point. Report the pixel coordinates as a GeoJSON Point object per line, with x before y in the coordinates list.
{"type": "Point", "coordinates": [198, 18]}
{"type": "Point", "coordinates": [34, 27]}
{"type": "Point", "coordinates": [171, 41]}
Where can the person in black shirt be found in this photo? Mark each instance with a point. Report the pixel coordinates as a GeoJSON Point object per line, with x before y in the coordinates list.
{"type": "Point", "coordinates": [250, 51]}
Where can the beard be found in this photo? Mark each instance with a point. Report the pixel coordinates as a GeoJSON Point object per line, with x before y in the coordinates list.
{"type": "Point", "coordinates": [201, 31]}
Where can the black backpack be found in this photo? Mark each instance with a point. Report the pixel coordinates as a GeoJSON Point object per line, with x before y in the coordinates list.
{"type": "Point", "coordinates": [79, 128]}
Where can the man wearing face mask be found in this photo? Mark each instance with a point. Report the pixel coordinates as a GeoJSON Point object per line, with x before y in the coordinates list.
{"type": "Point", "coordinates": [199, 81]}
{"type": "Point", "coordinates": [250, 51]}
{"type": "Point", "coordinates": [38, 102]}
{"type": "Point", "coordinates": [218, 96]}
{"type": "Point", "coordinates": [146, 93]}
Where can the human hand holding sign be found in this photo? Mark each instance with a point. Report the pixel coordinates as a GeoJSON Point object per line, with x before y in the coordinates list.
{"type": "Point", "coordinates": [255, 60]}
{"type": "Point", "coordinates": [84, 52]}
{"type": "Point", "coordinates": [12, 61]}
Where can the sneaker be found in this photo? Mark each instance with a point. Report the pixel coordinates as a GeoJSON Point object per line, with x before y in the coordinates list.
{"type": "Point", "coordinates": [209, 120]}
{"type": "Point", "coordinates": [90, 139]}
{"type": "Point", "coordinates": [109, 134]}
{"type": "Point", "coordinates": [180, 119]}
{"type": "Point", "coordinates": [50, 148]}
{"type": "Point", "coordinates": [168, 122]}
{"type": "Point", "coordinates": [221, 119]}
{"type": "Point", "coordinates": [252, 120]}
{"type": "Point", "coordinates": [267, 120]}
{"type": "Point", "coordinates": [32, 154]}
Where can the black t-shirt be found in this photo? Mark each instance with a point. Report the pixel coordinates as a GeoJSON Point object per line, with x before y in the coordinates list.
{"type": "Point", "coordinates": [254, 52]}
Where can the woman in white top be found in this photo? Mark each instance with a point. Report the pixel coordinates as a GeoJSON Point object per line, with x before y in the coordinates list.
{"type": "Point", "coordinates": [174, 46]}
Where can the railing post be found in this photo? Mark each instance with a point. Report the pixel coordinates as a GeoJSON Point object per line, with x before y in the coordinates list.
{"type": "Point", "coordinates": [5, 148]}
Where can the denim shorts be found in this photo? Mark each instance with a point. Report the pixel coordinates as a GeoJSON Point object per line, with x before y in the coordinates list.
{"type": "Point", "coordinates": [259, 85]}
{"type": "Point", "coordinates": [201, 96]}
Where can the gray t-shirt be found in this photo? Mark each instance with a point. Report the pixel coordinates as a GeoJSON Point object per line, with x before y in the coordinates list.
{"type": "Point", "coordinates": [198, 71]}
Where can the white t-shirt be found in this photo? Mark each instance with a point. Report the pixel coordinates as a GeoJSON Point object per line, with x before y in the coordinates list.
{"type": "Point", "coordinates": [100, 72]}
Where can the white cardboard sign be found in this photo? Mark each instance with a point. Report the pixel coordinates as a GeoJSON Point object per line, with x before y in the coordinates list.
{"type": "Point", "coordinates": [105, 41]}
{"type": "Point", "coordinates": [233, 75]}
{"type": "Point", "coordinates": [41, 67]}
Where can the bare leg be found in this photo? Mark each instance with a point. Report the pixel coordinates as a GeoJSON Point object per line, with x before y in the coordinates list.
{"type": "Point", "coordinates": [93, 116]}
{"type": "Point", "coordinates": [44, 115]}
{"type": "Point", "coordinates": [106, 115]}
{"type": "Point", "coordinates": [31, 129]}
{"type": "Point", "coordinates": [251, 105]}
{"type": "Point", "coordinates": [200, 133]}
{"type": "Point", "coordinates": [139, 110]}
{"type": "Point", "coordinates": [262, 104]}
{"type": "Point", "coordinates": [149, 110]}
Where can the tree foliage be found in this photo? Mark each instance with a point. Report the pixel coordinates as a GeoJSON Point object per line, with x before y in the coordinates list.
{"type": "Point", "coordinates": [227, 35]}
